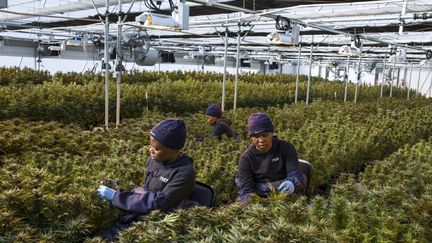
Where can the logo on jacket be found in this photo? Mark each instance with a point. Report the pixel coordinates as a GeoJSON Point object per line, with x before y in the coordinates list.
{"type": "Point", "coordinates": [275, 159]}
{"type": "Point", "coordinates": [163, 179]}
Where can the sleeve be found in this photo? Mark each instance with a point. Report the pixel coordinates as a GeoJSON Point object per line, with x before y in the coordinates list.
{"type": "Point", "coordinates": [218, 131]}
{"type": "Point", "coordinates": [292, 169]}
{"type": "Point", "coordinates": [244, 179]}
{"type": "Point", "coordinates": [179, 188]}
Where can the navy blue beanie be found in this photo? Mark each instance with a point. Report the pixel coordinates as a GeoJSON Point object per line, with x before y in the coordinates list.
{"type": "Point", "coordinates": [170, 132]}
{"type": "Point", "coordinates": [258, 123]}
{"type": "Point", "coordinates": [214, 110]}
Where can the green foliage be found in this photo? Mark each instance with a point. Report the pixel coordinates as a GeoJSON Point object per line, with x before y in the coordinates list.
{"type": "Point", "coordinates": [79, 98]}
{"type": "Point", "coordinates": [49, 171]}
{"type": "Point", "coordinates": [17, 76]}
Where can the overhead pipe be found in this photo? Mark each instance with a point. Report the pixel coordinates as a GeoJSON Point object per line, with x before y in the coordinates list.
{"type": "Point", "coordinates": [63, 8]}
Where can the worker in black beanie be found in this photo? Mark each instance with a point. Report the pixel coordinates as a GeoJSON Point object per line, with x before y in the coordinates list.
{"type": "Point", "coordinates": [268, 161]}
{"type": "Point", "coordinates": [169, 180]}
{"type": "Point", "coordinates": [221, 125]}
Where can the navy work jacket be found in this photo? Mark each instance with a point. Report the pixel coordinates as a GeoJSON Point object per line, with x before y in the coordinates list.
{"type": "Point", "coordinates": [223, 127]}
{"type": "Point", "coordinates": [166, 187]}
{"type": "Point", "coordinates": [280, 163]}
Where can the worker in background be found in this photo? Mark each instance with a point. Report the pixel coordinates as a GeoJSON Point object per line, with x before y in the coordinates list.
{"type": "Point", "coordinates": [169, 179]}
{"type": "Point", "coordinates": [221, 125]}
{"type": "Point", "coordinates": [268, 162]}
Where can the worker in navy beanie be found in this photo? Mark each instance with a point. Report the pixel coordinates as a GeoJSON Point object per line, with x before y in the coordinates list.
{"type": "Point", "coordinates": [170, 132]}
{"type": "Point", "coordinates": [267, 159]}
{"type": "Point", "coordinates": [169, 180]}
{"type": "Point", "coordinates": [221, 125]}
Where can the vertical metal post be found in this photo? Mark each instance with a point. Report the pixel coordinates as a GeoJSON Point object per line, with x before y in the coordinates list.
{"type": "Point", "coordinates": [404, 7]}
{"type": "Point", "coordinates": [346, 78]}
{"type": "Point", "coordinates": [224, 70]}
{"type": "Point", "coordinates": [118, 62]}
{"type": "Point", "coordinates": [106, 60]}
{"type": "Point", "coordinates": [409, 82]}
{"type": "Point", "coordinates": [383, 78]}
{"type": "Point", "coordinates": [298, 72]}
{"type": "Point", "coordinates": [418, 81]}
{"type": "Point", "coordinates": [393, 75]}
{"type": "Point", "coordinates": [310, 72]}
{"type": "Point", "coordinates": [358, 78]}
{"type": "Point", "coordinates": [237, 68]}
{"type": "Point", "coordinates": [430, 89]}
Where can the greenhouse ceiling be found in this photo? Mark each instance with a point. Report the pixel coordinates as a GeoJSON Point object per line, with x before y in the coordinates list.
{"type": "Point", "coordinates": [402, 28]}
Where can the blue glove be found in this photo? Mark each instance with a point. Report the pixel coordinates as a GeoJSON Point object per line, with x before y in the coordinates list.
{"type": "Point", "coordinates": [105, 192]}
{"type": "Point", "coordinates": [286, 187]}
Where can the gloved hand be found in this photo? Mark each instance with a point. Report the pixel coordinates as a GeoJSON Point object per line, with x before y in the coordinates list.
{"type": "Point", "coordinates": [286, 187]}
{"type": "Point", "coordinates": [105, 192]}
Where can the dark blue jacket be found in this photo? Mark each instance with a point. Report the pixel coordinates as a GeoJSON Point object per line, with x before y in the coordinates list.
{"type": "Point", "coordinates": [166, 187]}
{"type": "Point", "coordinates": [277, 165]}
{"type": "Point", "coordinates": [223, 127]}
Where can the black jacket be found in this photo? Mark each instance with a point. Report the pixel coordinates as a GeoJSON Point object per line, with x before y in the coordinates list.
{"type": "Point", "coordinates": [166, 187]}
{"type": "Point", "coordinates": [223, 127]}
{"type": "Point", "coordinates": [278, 164]}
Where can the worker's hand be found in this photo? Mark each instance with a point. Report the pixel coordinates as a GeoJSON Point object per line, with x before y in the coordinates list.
{"type": "Point", "coordinates": [105, 192]}
{"type": "Point", "coordinates": [286, 187]}
{"type": "Point", "coordinates": [109, 183]}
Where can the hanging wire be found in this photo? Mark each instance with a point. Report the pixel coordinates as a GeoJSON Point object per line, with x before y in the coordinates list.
{"type": "Point", "coordinates": [150, 4]}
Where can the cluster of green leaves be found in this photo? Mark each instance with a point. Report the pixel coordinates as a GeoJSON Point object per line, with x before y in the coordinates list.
{"type": "Point", "coordinates": [391, 203]}
{"type": "Point", "coordinates": [50, 171]}
{"type": "Point", "coordinates": [84, 104]}
{"type": "Point", "coordinates": [18, 76]}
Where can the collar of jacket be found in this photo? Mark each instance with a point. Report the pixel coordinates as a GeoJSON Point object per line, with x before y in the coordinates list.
{"type": "Point", "coordinates": [224, 120]}
{"type": "Point", "coordinates": [183, 159]}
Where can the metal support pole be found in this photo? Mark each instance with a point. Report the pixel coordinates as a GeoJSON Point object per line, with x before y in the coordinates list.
{"type": "Point", "coordinates": [346, 78]}
{"type": "Point", "coordinates": [358, 79]}
{"type": "Point", "coordinates": [392, 81]}
{"type": "Point", "coordinates": [118, 62]}
{"type": "Point", "coordinates": [424, 82]}
{"type": "Point", "coordinates": [310, 72]}
{"type": "Point", "coordinates": [383, 78]}
{"type": "Point", "coordinates": [430, 89]}
{"type": "Point", "coordinates": [237, 68]}
{"type": "Point", "coordinates": [224, 70]}
{"type": "Point", "coordinates": [409, 82]}
{"type": "Point", "coordinates": [298, 72]}
{"type": "Point", "coordinates": [418, 81]}
{"type": "Point", "coordinates": [106, 60]}
{"type": "Point", "coordinates": [404, 7]}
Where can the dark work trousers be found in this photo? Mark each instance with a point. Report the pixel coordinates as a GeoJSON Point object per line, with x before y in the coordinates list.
{"type": "Point", "coordinates": [124, 223]}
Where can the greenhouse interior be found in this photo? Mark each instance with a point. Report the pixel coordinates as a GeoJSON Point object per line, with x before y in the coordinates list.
{"type": "Point", "coordinates": [215, 121]}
